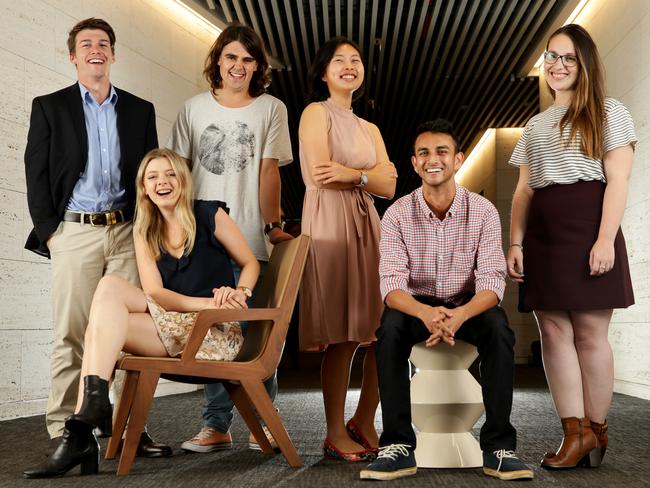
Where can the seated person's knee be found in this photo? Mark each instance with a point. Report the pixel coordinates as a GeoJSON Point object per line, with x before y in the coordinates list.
{"type": "Point", "coordinates": [496, 326]}
{"type": "Point", "coordinates": [392, 325]}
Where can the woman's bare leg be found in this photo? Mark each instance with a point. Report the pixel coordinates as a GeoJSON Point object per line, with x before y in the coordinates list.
{"type": "Point", "coordinates": [561, 362]}
{"type": "Point", "coordinates": [335, 377]}
{"type": "Point", "coordinates": [364, 415]}
{"type": "Point", "coordinates": [596, 361]}
{"type": "Point", "coordinates": [118, 322]}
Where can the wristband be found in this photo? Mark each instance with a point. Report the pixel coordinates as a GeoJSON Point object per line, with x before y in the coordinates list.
{"type": "Point", "coordinates": [272, 225]}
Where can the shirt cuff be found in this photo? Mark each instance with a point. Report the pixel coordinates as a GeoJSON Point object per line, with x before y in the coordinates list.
{"type": "Point", "coordinates": [495, 285]}
{"type": "Point", "coordinates": [392, 283]}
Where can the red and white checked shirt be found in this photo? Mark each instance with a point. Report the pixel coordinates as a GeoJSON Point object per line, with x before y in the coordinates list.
{"type": "Point", "coordinates": [449, 260]}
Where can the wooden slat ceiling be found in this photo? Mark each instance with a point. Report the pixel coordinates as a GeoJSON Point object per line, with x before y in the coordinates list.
{"type": "Point", "coordinates": [457, 59]}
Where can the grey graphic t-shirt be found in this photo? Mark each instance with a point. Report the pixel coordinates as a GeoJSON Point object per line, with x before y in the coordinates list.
{"type": "Point", "coordinates": [226, 147]}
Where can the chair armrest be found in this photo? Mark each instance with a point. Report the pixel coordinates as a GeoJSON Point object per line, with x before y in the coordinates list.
{"type": "Point", "coordinates": [237, 315]}
{"type": "Point", "coordinates": [206, 318]}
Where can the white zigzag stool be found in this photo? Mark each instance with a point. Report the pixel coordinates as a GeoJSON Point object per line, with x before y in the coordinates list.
{"type": "Point", "coordinates": [446, 402]}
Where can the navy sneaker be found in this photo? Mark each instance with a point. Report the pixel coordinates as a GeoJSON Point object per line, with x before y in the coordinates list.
{"type": "Point", "coordinates": [505, 465]}
{"type": "Point", "coordinates": [393, 461]}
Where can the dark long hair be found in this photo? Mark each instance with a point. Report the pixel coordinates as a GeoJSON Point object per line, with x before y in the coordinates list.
{"type": "Point", "coordinates": [586, 113]}
{"type": "Point", "coordinates": [253, 44]}
{"type": "Point", "coordinates": [318, 90]}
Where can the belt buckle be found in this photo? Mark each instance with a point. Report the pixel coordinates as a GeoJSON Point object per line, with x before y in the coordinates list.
{"type": "Point", "coordinates": [93, 216]}
{"type": "Point", "coordinates": [91, 219]}
{"type": "Point", "coordinates": [110, 218]}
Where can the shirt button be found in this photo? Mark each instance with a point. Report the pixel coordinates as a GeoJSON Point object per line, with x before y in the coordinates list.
{"type": "Point", "coordinates": [105, 171]}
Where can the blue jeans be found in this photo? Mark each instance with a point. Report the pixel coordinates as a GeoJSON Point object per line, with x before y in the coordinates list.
{"type": "Point", "coordinates": [217, 410]}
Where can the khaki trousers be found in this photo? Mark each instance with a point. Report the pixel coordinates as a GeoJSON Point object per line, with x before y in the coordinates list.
{"type": "Point", "coordinates": [81, 255]}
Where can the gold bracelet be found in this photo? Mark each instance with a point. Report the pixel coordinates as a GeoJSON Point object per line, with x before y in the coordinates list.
{"type": "Point", "coordinates": [247, 291]}
{"type": "Point", "coordinates": [517, 245]}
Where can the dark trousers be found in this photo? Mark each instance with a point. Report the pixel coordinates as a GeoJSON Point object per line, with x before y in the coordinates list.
{"type": "Point", "coordinates": [493, 338]}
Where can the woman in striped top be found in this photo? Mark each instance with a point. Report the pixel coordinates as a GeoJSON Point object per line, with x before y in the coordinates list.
{"type": "Point", "coordinates": [574, 161]}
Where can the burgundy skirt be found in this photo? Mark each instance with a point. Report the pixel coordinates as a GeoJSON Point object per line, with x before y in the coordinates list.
{"type": "Point", "coordinates": [563, 224]}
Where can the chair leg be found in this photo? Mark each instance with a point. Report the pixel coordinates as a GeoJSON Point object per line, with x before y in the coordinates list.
{"type": "Point", "coordinates": [122, 411]}
{"type": "Point", "coordinates": [262, 402]}
{"type": "Point", "coordinates": [146, 387]}
{"type": "Point", "coordinates": [247, 412]}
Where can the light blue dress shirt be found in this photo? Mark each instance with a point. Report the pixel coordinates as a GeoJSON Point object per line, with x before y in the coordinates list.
{"type": "Point", "coordinates": [100, 187]}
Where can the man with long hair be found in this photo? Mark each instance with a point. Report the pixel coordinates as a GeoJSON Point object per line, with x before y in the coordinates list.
{"type": "Point", "coordinates": [236, 136]}
{"type": "Point", "coordinates": [83, 149]}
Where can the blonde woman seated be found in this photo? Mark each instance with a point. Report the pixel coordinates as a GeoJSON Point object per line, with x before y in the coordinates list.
{"type": "Point", "coordinates": [183, 251]}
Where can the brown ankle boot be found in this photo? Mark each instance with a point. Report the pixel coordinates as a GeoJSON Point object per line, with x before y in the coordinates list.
{"type": "Point", "coordinates": [579, 446]}
{"type": "Point", "coordinates": [601, 434]}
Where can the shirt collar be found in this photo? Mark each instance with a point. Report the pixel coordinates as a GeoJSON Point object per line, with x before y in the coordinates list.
{"type": "Point", "coordinates": [456, 205]}
{"type": "Point", "coordinates": [86, 96]}
{"type": "Point", "coordinates": [419, 195]}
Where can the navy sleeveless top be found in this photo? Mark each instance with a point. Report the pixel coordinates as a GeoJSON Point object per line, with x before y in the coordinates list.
{"type": "Point", "coordinates": [207, 266]}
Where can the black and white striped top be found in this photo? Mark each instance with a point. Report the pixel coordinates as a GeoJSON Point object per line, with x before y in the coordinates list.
{"type": "Point", "coordinates": [554, 162]}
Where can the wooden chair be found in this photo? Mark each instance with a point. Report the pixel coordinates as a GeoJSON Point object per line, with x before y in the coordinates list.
{"type": "Point", "coordinates": [243, 378]}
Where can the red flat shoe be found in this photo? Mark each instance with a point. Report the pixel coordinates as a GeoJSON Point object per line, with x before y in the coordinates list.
{"type": "Point", "coordinates": [332, 452]}
{"type": "Point", "coordinates": [357, 436]}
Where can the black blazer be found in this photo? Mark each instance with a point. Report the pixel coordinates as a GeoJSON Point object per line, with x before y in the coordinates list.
{"type": "Point", "coordinates": [57, 154]}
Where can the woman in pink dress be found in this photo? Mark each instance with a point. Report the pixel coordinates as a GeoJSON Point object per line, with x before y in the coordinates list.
{"type": "Point", "coordinates": [343, 160]}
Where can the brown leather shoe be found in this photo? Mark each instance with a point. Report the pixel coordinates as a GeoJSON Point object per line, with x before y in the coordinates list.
{"type": "Point", "coordinates": [601, 434]}
{"type": "Point", "coordinates": [579, 446]}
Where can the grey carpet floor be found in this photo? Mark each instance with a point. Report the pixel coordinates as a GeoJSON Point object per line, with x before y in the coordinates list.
{"type": "Point", "coordinates": [174, 419]}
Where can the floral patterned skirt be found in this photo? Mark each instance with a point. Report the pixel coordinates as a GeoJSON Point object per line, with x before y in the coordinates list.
{"type": "Point", "coordinates": [222, 342]}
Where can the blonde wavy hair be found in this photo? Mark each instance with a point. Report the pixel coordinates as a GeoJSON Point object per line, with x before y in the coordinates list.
{"type": "Point", "coordinates": [148, 222]}
{"type": "Point", "coordinates": [586, 113]}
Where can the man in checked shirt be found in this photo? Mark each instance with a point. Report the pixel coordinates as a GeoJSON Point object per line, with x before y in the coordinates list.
{"type": "Point", "coordinates": [442, 277]}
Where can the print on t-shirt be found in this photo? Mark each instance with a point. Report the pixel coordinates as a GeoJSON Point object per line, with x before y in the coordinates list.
{"type": "Point", "coordinates": [226, 148]}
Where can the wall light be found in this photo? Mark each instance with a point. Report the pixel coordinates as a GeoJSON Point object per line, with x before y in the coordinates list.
{"type": "Point", "coordinates": [473, 156]}
{"type": "Point", "coordinates": [181, 10]}
{"type": "Point", "coordinates": [570, 19]}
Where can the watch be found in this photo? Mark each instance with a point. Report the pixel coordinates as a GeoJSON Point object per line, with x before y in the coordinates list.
{"type": "Point", "coordinates": [272, 225]}
{"type": "Point", "coordinates": [363, 180]}
{"type": "Point", "coordinates": [247, 291]}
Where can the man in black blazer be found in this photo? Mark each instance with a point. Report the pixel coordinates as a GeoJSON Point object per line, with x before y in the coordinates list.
{"type": "Point", "coordinates": [84, 146]}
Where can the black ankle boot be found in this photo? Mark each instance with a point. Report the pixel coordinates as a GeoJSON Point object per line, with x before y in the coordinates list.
{"type": "Point", "coordinates": [96, 409]}
{"type": "Point", "coordinates": [77, 447]}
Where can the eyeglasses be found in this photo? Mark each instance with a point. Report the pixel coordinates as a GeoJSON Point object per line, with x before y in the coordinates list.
{"type": "Point", "coordinates": [568, 60]}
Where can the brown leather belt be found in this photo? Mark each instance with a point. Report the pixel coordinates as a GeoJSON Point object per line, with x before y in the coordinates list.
{"type": "Point", "coordinates": [98, 219]}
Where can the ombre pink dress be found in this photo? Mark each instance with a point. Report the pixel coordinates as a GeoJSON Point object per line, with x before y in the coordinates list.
{"type": "Point", "coordinates": [340, 299]}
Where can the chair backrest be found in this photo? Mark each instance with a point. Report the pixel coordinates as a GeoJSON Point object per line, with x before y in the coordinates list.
{"type": "Point", "coordinates": [277, 289]}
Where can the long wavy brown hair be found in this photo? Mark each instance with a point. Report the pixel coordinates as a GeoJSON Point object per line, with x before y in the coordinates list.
{"type": "Point", "coordinates": [586, 113]}
{"type": "Point", "coordinates": [149, 223]}
{"type": "Point", "coordinates": [253, 44]}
